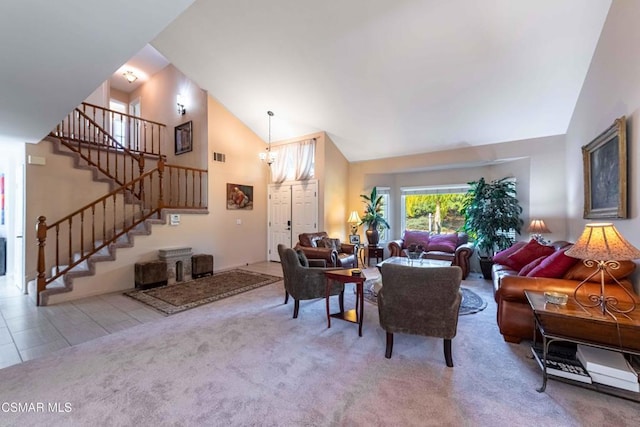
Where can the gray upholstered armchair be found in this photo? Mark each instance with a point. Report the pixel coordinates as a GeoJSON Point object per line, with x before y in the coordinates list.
{"type": "Point", "coordinates": [303, 282]}
{"type": "Point", "coordinates": [420, 301]}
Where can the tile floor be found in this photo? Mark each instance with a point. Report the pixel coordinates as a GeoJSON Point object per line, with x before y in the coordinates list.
{"type": "Point", "coordinates": [27, 331]}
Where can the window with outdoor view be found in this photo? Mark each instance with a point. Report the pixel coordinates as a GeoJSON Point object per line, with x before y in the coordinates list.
{"type": "Point", "coordinates": [434, 209]}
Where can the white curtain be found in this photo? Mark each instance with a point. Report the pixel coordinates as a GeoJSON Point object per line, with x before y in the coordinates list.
{"type": "Point", "coordinates": [305, 159]}
{"type": "Point", "coordinates": [293, 161]}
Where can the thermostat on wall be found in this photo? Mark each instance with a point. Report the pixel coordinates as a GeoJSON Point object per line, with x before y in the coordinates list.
{"type": "Point", "coordinates": [174, 219]}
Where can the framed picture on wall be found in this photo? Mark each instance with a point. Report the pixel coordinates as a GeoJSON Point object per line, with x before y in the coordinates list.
{"type": "Point", "coordinates": [239, 196]}
{"type": "Point", "coordinates": [605, 173]}
{"type": "Point", "coordinates": [184, 138]}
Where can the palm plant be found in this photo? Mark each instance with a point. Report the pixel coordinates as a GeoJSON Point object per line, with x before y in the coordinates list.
{"type": "Point", "coordinates": [373, 215]}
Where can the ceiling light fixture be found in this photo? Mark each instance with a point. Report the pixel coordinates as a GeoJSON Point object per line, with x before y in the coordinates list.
{"type": "Point", "coordinates": [268, 157]}
{"type": "Point", "coordinates": [130, 76]}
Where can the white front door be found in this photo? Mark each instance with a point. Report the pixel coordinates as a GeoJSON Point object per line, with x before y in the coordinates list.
{"type": "Point", "coordinates": [279, 198]}
{"type": "Point", "coordinates": [304, 213]}
{"type": "Point", "coordinates": [293, 209]}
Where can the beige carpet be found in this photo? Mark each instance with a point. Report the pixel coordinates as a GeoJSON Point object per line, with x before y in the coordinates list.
{"type": "Point", "coordinates": [243, 361]}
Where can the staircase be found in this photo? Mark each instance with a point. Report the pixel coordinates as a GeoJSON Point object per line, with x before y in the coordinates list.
{"type": "Point", "coordinates": [140, 190]}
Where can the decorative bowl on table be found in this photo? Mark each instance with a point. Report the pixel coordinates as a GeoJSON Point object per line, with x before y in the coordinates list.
{"type": "Point", "coordinates": [412, 255]}
{"type": "Point", "coordinates": [556, 298]}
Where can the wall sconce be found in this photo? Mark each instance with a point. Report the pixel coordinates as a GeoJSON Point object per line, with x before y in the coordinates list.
{"type": "Point", "coordinates": [269, 157]}
{"type": "Point", "coordinates": [181, 109]}
{"type": "Point", "coordinates": [130, 76]}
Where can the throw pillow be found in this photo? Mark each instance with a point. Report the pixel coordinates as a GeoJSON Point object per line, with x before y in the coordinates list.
{"type": "Point", "coordinates": [502, 257]}
{"type": "Point", "coordinates": [327, 242]}
{"type": "Point", "coordinates": [302, 258]}
{"type": "Point", "coordinates": [524, 271]}
{"type": "Point", "coordinates": [529, 252]}
{"type": "Point", "coordinates": [580, 272]}
{"type": "Point", "coordinates": [554, 266]}
{"type": "Point", "coordinates": [415, 237]}
{"type": "Point", "coordinates": [443, 242]}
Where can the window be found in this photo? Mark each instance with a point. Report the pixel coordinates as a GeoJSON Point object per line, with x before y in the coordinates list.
{"type": "Point", "coordinates": [118, 121]}
{"type": "Point", "coordinates": [433, 208]}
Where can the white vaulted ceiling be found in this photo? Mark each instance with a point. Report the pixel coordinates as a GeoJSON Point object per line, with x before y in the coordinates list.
{"type": "Point", "coordinates": [382, 78]}
{"type": "Point", "coordinates": [386, 78]}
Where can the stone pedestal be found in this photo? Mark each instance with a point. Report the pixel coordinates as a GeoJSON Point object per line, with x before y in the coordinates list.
{"type": "Point", "coordinates": [178, 263]}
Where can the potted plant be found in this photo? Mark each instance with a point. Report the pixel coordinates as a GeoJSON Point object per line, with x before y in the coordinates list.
{"type": "Point", "coordinates": [373, 216]}
{"type": "Point", "coordinates": [491, 211]}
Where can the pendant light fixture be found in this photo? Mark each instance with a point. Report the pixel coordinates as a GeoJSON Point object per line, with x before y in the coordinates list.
{"type": "Point", "coordinates": [268, 157]}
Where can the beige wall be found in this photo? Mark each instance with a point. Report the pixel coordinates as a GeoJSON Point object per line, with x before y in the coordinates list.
{"type": "Point", "coordinates": [537, 165]}
{"type": "Point", "coordinates": [158, 103]}
{"type": "Point", "coordinates": [334, 191]}
{"type": "Point", "coordinates": [611, 89]}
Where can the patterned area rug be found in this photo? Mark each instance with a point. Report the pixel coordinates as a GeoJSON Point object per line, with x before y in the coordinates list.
{"type": "Point", "coordinates": [471, 302]}
{"type": "Point", "coordinates": [182, 296]}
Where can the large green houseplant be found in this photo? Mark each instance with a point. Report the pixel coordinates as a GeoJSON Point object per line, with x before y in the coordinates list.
{"type": "Point", "coordinates": [372, 217]}
{"type": "Point", "coordinates": [491, 212]}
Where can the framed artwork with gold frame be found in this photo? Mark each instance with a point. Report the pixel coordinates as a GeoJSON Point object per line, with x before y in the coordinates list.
{"type": "Point", "coordinates": [605, 173]}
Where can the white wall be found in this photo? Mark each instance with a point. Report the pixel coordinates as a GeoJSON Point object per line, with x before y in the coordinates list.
{"type": "Point", "coordinates": [611, 89]}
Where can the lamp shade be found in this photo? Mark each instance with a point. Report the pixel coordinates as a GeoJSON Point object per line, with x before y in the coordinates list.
{"type": "Point", "coordinates": [537, 226]}
{"type": "Point", "coordinates": [603, 242]}
{"type": "Point", "coordinates": [353, 218]}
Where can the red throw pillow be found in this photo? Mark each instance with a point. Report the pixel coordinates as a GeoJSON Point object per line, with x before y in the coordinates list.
{"type": "Point", "coordinates": [416, 237]}
{"type": "Point", "coordinates": [524, 271]}
{"type": "Point", "coordinates": [554, 266]}
{"type": "Point", "coordinates": [502, 257]}
{"type": "Point", "coordinates": [529, 252]}
{"type": "Point", "coordinates": [443, 242]}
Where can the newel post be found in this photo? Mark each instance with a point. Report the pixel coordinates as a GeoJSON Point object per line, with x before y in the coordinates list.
{"type": "Point", "coordinates": [160, 184]}
{"type": "Point", "coordinates": [41, 234]}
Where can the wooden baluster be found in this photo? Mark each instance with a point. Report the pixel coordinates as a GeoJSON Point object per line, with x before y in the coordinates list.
{"type": "Point", "coordinates": [41, 234]}
{"type": "Point", "coordinates": [57, 249]}
{"type": "Point", "coordinates": [104, 219]}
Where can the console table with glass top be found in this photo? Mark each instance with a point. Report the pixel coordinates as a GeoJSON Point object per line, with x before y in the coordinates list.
{"type": "Point", "coordinates": [588, 326]}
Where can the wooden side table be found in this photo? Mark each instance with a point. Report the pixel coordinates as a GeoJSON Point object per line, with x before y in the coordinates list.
{"type": "Point", "coordinates": [346, 276]}
{"type": "Point", "coordinates": [374, 251]}
{"type": "Point", "coordinates": [576, 324]}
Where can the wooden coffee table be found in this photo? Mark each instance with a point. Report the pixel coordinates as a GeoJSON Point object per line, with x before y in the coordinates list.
{"type": "Point", "coordinates": [346, 276]}
{"type": "Point", "coordinates": [587, 326]}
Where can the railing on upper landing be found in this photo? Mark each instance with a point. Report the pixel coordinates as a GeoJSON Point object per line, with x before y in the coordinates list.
{"type": "Point", "coordinates": [135, 133]}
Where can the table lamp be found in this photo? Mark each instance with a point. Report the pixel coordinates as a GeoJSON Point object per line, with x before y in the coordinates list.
{"type": "Point", "coordinates": [354, 220]}
{"type": "Point", "coordinates": [537, 228]}
{"type": "Point", "coordinates": [602, 246]}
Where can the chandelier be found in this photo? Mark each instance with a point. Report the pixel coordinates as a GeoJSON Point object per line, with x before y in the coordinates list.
{"type": "Point", "coordinates": [269, 157]}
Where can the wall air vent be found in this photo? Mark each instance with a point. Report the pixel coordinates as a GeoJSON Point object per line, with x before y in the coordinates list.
{"type": "Point", "coordinates": [219, 157]}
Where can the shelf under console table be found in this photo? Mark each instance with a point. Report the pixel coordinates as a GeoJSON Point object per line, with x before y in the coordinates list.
{"type": "Point", "coordinates": [587, 326]}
